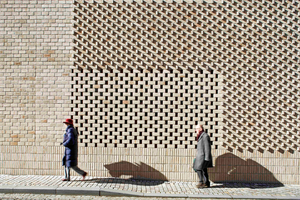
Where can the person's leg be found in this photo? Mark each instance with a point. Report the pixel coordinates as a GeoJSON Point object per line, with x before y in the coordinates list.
{"type": "Point", "coordinates": [205, 176]}
{"type": "Point", "coordinates": [79, 171]}
{"type": "Point", "coordinates": [201, 183]}
{"type": "Point", "coordinates": [67, 174]}
{"type": "Point", "coordinates": [200, 175]}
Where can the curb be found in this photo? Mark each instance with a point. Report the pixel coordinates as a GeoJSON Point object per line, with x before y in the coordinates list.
{"type": "Point", "coordinates": [34, 189]}
{"type": "Point", "coordinates": [77, 191]}
{"type": "Point", "coordinates": [94, 191]}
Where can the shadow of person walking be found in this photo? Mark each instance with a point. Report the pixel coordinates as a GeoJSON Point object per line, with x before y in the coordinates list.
{"type": "Point", "coordinates": [139, 174]}
{"type": "Point", "coordinates": [230, 169]}
{"type": "Point", "coordinates": [137, 171]}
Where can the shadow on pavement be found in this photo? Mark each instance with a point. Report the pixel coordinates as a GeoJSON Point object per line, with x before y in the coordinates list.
{"type": "Point", "coordinates": [248, 185]}
{"type": "Point", "coordinates": [131, 181]}
{"type": "Point", "coordinates": [140, 174]}
{"type": "Point", "coordinates": [136, 171]}
{"type": "Point", "coordinates": [235, 172]}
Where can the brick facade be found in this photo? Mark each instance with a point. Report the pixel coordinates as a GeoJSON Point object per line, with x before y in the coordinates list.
{"type": "Point", "coordinates": [137, 76]}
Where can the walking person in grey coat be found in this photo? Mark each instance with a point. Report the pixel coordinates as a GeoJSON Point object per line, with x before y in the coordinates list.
{"type": "Point", "coordinates": [203, 158]}
{"type": "Point", "coordinates": [71, 152]}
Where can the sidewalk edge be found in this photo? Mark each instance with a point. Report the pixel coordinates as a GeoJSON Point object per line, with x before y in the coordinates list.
{"type": "Point", "coordinates": [95, 191]}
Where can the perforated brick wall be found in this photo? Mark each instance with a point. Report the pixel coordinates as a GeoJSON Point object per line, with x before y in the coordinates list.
{"type": "Point", "coordinates": [146, 110]}
{"type": "Point", "coordinates": [252, 44]}
{"type": "Point", "coordinates": [136, 76]}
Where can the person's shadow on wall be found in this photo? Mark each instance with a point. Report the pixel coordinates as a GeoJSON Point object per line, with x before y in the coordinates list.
{"type": "Point", "coordinates": [231, 169]}
{"type": "Point", "coordinates": [140, 174]}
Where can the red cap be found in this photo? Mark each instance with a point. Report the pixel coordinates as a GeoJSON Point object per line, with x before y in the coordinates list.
{"type": "Point", "coordinates": [69, 121]}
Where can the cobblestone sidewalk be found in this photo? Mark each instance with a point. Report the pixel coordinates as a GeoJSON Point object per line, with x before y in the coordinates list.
{"type": "Point", "coordinates": [144, 188]}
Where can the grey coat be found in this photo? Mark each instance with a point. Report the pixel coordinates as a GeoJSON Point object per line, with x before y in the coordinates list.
{"type": "Point", "coordinates": [203, 158]}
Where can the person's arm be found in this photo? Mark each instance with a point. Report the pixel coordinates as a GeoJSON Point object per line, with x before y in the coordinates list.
{"type": "Point", "coordinates": [207, 148]}
{"type": "Point", "coordinates": [70, 139]}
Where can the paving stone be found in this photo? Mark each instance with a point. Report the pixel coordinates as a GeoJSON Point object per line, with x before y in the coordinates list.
{"type": "Point", "coordinates": [128, 187]}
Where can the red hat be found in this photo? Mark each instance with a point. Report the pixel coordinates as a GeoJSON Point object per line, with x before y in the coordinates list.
{"type": "Point", "coordinates": [69, 121]}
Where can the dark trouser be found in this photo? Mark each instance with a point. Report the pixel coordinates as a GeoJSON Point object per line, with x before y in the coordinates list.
{"type": "Point", "coordinates": [203, 176]}
{"type": "Point", "coordinates": [75, 168]}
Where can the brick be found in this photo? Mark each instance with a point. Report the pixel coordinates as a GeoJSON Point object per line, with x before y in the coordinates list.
{"type": "Point", "coordinates": [242, 88]}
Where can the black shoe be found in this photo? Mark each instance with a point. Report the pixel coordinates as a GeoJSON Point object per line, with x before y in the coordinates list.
{"type": "Point", "coordinates": [207, 185]}
{"type": "Point", "coordinates": [200, 185]}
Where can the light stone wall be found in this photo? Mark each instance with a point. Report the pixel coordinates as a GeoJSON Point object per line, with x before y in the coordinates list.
{"type": "Point", "coordinates": [173, 164]}
{"type": "Point", "coordinates": [36, 61]}
{"type": "Point", "coordinates": [41, 85]}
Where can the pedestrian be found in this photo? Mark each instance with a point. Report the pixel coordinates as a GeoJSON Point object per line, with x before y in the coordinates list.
{"type": "Point", "coordinates": [203, 158]}
{"type": "Point", "coordinates": [71, 151]}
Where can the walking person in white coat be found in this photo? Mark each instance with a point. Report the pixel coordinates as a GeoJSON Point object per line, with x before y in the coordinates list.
{"type": "Point", "coordinates": [203, 158]}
